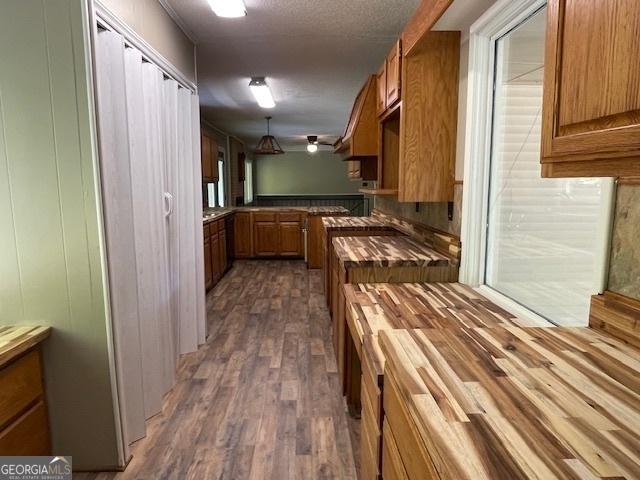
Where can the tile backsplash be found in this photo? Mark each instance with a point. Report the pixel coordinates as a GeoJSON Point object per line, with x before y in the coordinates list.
{"type": "Point", "coordinates": [435, 215]}
{"type": "Point", "coordinates": [624, 267]}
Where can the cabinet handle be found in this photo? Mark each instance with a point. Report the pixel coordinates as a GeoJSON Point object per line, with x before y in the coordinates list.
{"type": "Point", "coordinates": [168, 204]}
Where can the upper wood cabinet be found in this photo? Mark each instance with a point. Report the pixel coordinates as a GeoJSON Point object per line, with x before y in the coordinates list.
{"type": "Point", "coordinates": [360, 136]}
{"type": "Point", "coordinates": [205, 156]}
{"type": "Point", "coordinates": [241, 166]}
{"type": "Point", "coordinates": [428, 119]}
{"type": "Point", "coordinates": [208, 156]}
{"type": "Point", "coordinates": [393, 62]}
{"type": "Point", "coordinates": [591, 106]}
{"type": "Point", "coordinates": [388, 80]}
{"type": "Point", "coordinates": [381, 88]}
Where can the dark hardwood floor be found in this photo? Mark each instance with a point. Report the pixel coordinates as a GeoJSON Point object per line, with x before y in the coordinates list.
{"type": "Point", "coordinates": [261, 399]}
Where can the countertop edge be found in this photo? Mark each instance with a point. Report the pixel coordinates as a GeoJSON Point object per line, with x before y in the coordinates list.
{"type": "Point", "coordinates": [36, 336]}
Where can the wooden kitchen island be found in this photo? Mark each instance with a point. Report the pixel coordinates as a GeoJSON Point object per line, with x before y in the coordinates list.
{"type": "Point", "coordinates": [333, 227]}
{"type": "Point", "coordinates": [509, 403]}
{"type": "Point", "coordinates": [387, 259]}
{"type": "Point", "coordinates": [372, 308]}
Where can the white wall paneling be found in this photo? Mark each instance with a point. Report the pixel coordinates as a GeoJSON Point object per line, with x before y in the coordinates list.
{"type": "Point", "coordinates": [119, 228]}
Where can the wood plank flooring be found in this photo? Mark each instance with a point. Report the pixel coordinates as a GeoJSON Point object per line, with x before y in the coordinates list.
{"type": "Point", "coordinates": [261, 400]}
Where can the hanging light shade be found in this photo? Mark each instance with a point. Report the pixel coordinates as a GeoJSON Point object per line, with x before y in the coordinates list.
{"type": "Point", "coordinates": [268, 145]}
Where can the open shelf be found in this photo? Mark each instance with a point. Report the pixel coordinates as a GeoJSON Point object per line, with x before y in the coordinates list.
{"type": "Point", "coordinates": [385, 192]}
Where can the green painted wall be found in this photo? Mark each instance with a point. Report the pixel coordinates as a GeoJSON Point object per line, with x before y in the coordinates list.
{"type": "Point", "coordinates": [299, 173]}
{"type": "Point", "coordinates": [51, 250]}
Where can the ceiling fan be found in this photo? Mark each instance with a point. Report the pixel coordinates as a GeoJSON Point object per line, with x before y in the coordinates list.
{"type": "Point", "coordinates": [314, 143]}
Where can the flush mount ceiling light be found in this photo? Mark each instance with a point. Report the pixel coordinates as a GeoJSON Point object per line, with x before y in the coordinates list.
{"type": "Point", "coordinates": [268, 145]}
{"type": "Point", "coordinates": [228, 8]}
{"type": "Point", "coordinates": [261, 91]}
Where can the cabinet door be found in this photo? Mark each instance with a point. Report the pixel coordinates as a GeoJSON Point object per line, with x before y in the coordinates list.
{"type": "Point", "coordinates": [208, 275]}
{"type": "Point", "coordinates": [393, 75]}
{"type": "Point", "coordinates": [215, 257]}
{"type": "Point", "coordinates": [291, 239]}
{"type": "Point", "coordinates": [265, 239]}
{"type": "Point", "coordinates": [241, 166]}
{"type": "Point", "coordinates": [591, 107]}
{"type": "Point", "coordinates": [205, 159]}
{"type": "Point", "coordinates": [242, 235]}
{"type": "Point", "coordinates": [222, 237]}
{"type": "Point", "coordinates": [381, 82]}
{"type": "Point", "coordinates": [213, 147]}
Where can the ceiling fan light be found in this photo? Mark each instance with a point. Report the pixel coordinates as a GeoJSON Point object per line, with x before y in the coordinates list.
{"type": "Point", "coordinates": [262, 92]}
{"type": "Point", "coordinates": [228, 8]}
{"type": "Point", "coordinates": [312, 148]}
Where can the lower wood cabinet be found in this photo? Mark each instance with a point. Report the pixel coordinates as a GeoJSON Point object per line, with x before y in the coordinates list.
{"type": "Point", "coordinates": [242, 235]}
{"type": "Point", "coordinates": [265, 238]}
{"type": "Point", "coordinates": [24, 424]}
{"type": "Point", "coordinates": [208, 274]}
{"type": "Point", "coordinates": [290, 239]}
{"type": "Point", "coordinates": [215, 252]}
{"type": "Point", "coordinates": [278, 234]}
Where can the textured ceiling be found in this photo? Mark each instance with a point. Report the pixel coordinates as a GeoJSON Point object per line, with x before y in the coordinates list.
{"type": "Point", "coordinates": [316, 54]}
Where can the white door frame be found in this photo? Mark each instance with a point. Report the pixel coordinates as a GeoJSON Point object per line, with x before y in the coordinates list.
{"type": "Point", "coordinates": [498, 20]}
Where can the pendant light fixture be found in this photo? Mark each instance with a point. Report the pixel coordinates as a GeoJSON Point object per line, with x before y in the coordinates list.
{"type": "Point", "coordinates": [268, 145]}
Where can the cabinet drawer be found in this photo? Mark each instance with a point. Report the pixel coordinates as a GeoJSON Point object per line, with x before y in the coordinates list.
{"type": "Point", "coordinates": [220, 225]}
{"type": "Point", "coordinates": [264, 217]}
{"type": "Point", "coordinates": [206, 232]}
{"type": "Point", "coordinates": [392, 467]}
{"type": "Point", "coordinates": [28, 435]}
{"type": "Point", "coordinates": [370, 386]}
{"type": "Point", "coordinates": [21, 385]}
{"type": "Point", "coordinates": [289, 217]}
{"type": "Point", "coordinates": [369, 462]}
{"type": "Point", "coordinates": [371, 433]}
{"type": "Point", "coordinates": [415, 458]}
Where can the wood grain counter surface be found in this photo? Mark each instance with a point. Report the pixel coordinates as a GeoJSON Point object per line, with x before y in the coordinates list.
{"type": "Point", "coordinates": [15, 340]}
{"type": "Point", "coordinates": [212, 214]}
{"type": "Point", "coordinates": [355, 223]}
{"type": "Point", "coordinates": [511, 402]}
{"type": "Point", "coordinates": [374, 307]}
{"type": "Point", "coordinates": [387, 251]}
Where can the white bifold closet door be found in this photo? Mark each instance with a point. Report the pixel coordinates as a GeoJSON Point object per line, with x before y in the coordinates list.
{"type": "Point", "coordinates": [115, 161]}
{"type": "Point", "coordinates": [201, 315]}
{"type": "Point", "coordinates": [171, 159]}
{"type": "Point", "coordinates": [186, 213]}
{"type": "Point", "coordinates": [153, 96]}
{"type": "Point", "coordinates": [150, 157]}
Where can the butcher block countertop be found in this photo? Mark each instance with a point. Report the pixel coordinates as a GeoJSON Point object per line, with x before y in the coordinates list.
{"type": "Point", "coordinates": [211, 214]}
{"type": "Point", "coordinates": [14, 341]}
{"type": "Point", "coordinates": [387, 251]}
{"type": "Point", "coordinates": [387, 306]}
{"type": "Point", "coordinates": [355, 223]}
{"type": "Point", "coordinates": [510, 402]}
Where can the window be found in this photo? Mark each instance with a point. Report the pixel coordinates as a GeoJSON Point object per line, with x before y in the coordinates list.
{"type": "Point", "coordinates": [221, 175]}
{"type": "Point", "coordinates": [544, 241]}
{"type": "Point", "coordinates": [248, 180]}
